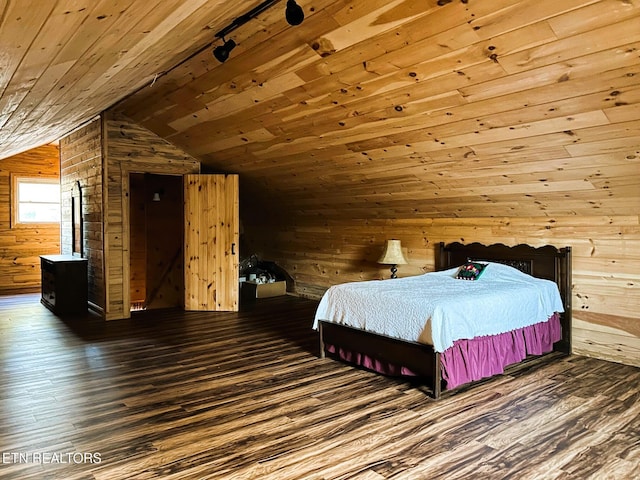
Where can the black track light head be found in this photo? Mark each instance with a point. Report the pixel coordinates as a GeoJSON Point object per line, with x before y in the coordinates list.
{"type": "Point", "coordinates": [294, 13]}
{"type": "Point", "coordinates": [221, 52]}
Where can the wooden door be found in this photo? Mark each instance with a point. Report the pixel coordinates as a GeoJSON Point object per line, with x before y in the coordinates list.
{"type": "Point", "coordinates": [211, 242]}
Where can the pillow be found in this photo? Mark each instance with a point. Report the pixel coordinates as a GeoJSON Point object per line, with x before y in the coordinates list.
{"type": "Point", "coordinates": [470, 271]}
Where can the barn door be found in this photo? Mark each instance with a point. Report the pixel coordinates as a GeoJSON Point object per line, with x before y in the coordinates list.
{"type": "Point", "coordinates": [211, 242]}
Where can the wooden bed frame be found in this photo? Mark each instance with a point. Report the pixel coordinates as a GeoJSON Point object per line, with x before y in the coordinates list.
{"type": "Point", "coordinates": [546, 262]}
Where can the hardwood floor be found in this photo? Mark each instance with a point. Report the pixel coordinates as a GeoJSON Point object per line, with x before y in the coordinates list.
{"type": "Point", "coordinates": [177, 395]}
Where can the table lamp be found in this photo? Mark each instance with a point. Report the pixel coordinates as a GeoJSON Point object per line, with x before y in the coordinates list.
{"type": "Point", "coordinates": [393, 256]}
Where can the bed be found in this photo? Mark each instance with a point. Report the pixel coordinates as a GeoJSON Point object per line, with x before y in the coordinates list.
{"type": "Point", "coordinates": [423, 346]}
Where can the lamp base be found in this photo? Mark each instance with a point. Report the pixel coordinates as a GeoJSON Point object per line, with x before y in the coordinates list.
{"type": "Point", "coordinates": [394, 270]}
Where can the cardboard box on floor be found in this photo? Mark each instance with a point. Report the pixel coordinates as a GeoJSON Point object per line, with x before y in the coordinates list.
{"type": "Point", "coordinates": [264, 290]}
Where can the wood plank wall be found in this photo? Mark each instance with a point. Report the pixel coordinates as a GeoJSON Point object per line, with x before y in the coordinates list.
{"type": "Point", "coordinates": [129, 148]}
{"type": "Point", "coordinates": [22, 245]}
{"type": "Point", "coordinates": [81, 161]}
{"type": "Point", "coordinates": [606, 262]}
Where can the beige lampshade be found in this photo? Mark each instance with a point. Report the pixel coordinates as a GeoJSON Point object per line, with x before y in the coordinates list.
{"type": "Point", "coordinates": [392, 254]}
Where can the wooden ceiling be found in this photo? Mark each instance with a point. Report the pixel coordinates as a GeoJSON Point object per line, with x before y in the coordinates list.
{"type": "Point", "coordinates": [62, 62]}
{"type": "Point", "coordinates": [376, 108]}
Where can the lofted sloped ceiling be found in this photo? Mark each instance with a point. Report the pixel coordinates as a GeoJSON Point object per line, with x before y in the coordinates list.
{"type": "Point", "coordinates": [403, 108]}
{"type": "Point", "coordinates": [64, 61]}
{"type": "Point", "coordinates": [376, 108]}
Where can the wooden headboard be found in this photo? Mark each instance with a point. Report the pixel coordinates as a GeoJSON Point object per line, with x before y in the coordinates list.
{"type": "Point", "coordinates": [546, 262]}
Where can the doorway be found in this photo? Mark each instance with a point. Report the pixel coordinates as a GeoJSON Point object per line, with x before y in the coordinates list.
{"type": "Point", "coordinates": [156, 264]}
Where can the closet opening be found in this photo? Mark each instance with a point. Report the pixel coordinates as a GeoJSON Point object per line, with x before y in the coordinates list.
{"type": "Point", "coordinates": [156, 225]}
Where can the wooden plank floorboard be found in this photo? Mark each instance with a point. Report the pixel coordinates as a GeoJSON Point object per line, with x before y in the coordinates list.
{"type": "Point", "coordinates": [202, 395]}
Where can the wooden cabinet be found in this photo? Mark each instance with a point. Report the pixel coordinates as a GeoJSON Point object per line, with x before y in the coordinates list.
{"type": "Point", "coordinates": [64, 284]}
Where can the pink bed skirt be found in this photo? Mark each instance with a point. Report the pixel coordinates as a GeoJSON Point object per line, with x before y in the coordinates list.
{"type": "Point", "coordinates": [480, 357]}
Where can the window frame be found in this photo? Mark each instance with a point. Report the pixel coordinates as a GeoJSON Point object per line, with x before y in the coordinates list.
{"type": "Point", "coordinates": [15, 199]}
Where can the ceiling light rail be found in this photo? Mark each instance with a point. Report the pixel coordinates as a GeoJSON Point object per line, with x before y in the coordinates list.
{"type": "Point", "coordinates": [293, 14]}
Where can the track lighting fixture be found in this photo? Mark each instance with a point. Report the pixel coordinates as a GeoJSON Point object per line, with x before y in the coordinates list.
{"type": "Point", "coordinates": [221, 52]}
{"type": "Point", "coordinates": [294, 13]}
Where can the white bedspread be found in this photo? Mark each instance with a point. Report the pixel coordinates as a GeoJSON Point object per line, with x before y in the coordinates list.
{"type": "Point", "coordinates": [437, 309]}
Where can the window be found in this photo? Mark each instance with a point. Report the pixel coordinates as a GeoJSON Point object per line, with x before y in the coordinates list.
{"type": "Point", "coordinates": [36, 200]}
